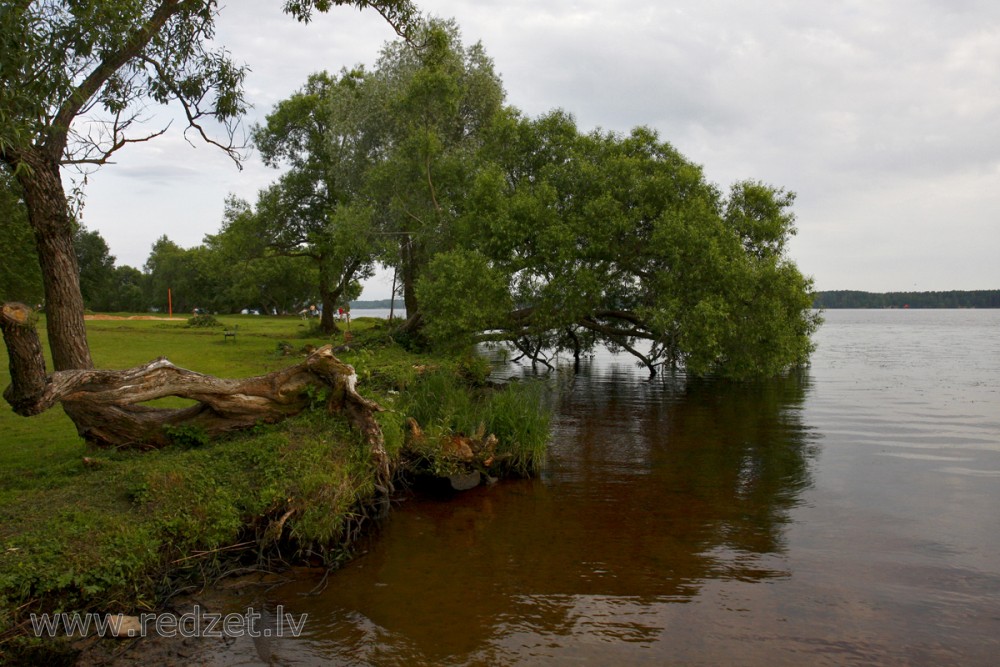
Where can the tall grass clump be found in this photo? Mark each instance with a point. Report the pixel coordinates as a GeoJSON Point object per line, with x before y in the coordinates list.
{"type": "Point", "coordinates": [444, 406]}
{"type": "Point", "coordinates": [440, 402]}
{"type": "Point", "coordinates": [519, 416]}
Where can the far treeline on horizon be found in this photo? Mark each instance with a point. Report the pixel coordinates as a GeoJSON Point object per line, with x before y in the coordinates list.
{"type": "Point", "coordinates": [843, 299]}
{"type": "Point", "coordinates": [949, 299]}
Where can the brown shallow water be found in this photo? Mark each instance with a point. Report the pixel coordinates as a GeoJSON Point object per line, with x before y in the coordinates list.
{"type": "Point", "coordinates": [847, 515]}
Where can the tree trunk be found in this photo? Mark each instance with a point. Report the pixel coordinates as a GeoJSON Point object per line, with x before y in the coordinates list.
{"type": "Point", "coordinates": [107, 405]}
{"type": "Point", "coordinates": [49, 216]}
{"type": "Point", "coordinates": [392, 295]}
{"type": "Point", "coordinates": [27, 362]}
{"type": "Point", "coordinates": [328, 299]}
{"type": "Point", "coordinates": [409, 276]}
{"type": "Point", "coordinates": [576, 349]}
{"type": "Point", "coordinates": [409, 254]}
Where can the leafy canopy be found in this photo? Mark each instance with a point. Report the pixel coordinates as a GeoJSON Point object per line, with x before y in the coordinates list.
{"type": "Point", "coordinates": [570, 240]}
{"type": "Point", "coordinates": [104, 61]}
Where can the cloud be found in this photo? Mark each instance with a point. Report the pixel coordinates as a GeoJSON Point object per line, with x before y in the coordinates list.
{"type": "Point", "coordinates": [159, 173]}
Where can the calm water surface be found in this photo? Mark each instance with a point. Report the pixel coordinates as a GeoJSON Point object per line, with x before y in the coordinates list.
{"type": "Point", "coordinates": [846, 515]}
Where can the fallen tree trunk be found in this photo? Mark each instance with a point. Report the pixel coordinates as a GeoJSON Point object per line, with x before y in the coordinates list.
{"type": "Point", "coordinates": [107, 405]}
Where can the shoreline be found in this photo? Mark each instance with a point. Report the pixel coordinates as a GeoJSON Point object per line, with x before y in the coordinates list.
{"type": "Point", "coordinates": [123, 532]}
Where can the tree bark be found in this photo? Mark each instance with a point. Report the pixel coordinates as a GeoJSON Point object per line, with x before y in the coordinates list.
{"type": "Point", "coordinates": [409, 275]}
{"type": "Point", "coordinates": [408, 278]}
{"type": "Point", "coordinates": [49, 216]}
{"type": "Point", "coordinates": [328, 299]}
{"type": "Point", "coordinates": [107, 405]}
{"type": "Point", "coordinates": [27, 362]}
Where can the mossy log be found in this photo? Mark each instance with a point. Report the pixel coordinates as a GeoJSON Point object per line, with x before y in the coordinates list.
{"type": "Point", "coordinates": [107, 405]}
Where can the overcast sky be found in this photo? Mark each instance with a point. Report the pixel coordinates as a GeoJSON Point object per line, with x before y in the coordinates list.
{"type": "Point", "coordinates": [882, 115]}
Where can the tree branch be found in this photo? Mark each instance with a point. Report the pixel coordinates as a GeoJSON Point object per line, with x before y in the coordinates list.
{"type": "Point", "coordinates": [594, 326]}
{"type": "Point", "coordinates": [193, 113]}
{"type": "Point", "coordinates": [106, 153]}
{"type": "Point", "coordinates": [54, 144]}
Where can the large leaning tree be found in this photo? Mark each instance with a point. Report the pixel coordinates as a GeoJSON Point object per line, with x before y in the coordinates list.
{"type": "Point", "coordinates": [570, 240]}
{"type": "Point", "coordinates": [75, 77]}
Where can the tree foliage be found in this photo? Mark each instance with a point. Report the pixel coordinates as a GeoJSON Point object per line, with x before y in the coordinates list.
{"type": "Point", "coordinates": [947, 299]}
{"type": "Point", "coordinates": [20, 277]}
{"type": "Point", "coordinates": [315, 209]}
{"type": "Point", "coordinates": [436, 99]}
{"type": "Point", "coordinates": [219, 278]}
{"type": "Point", "coordinates": [619, 240]}
{"type": "Point", "coordinates": [529, 231]}
{"type": "Point", "coordinates": [377, 161]}
{"type": "Point", "coordinates": [97, 268]}
{"type": "Point", "coordinates": [105, 60]}
{"type": "Point", "coordinates": [502, 227]}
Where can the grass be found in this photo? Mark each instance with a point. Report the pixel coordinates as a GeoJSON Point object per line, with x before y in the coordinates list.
{"type": "Point", "coordinates": [47, 445]}
{"type": "Point", "coordinates": [444, 405]}
{"type": "Point", "coordinates": [101, 530]}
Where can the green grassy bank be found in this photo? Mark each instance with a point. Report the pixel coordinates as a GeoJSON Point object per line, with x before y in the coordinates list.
{"type": "Point", "coordinates": [122, 531]}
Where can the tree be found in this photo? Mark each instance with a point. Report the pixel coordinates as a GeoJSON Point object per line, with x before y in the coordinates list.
{"type": "Point", "coordinates": [223, 276]}
{"type": "Point", "coordinates": [107, 405]}
{"type": "Point", "coordinates": [127, 291]}
{"type": "Point", "coordinates": [315, 209]}
{"type": "Point", "coordinates": [433, 99]}
{"type": "Point", "coordinates": [97, 268]}
{"type": "Point", "coordinates": [104, 61]}
{"type": "Point", "coordinates": [245, 278]}
{"type": "Point", "coordinates": [569, 240]}
{"type": "Point", "coordinates": [168, 268]}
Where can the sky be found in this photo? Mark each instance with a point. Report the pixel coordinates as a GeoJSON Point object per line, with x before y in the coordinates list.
{"type": "Point", "coordinates": [883, 116]}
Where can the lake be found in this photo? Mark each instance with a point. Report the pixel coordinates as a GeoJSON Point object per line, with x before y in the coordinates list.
{"type": "Point", "coordinates": [846, 515]}
{"type": "Point", "coordinates": [380, 313]}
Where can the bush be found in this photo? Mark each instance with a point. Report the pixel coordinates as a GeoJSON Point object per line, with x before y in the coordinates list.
{"type": "Point", "coordinates": [444, 406]}
{"type": "Point", "coordinates": [474, 369]}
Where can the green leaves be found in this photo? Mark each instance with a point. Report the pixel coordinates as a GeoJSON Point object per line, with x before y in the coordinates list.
{"type": "Point", "coordinates": [106, 60]}
{"type": "Point", "coordinates": [464, 294]}
{"type": "Point", "coordinates": [619, 240]}
{"type": "Point", "coordinates": [760, 216]}
{"type": "Point", "coordinates": [20, 277]}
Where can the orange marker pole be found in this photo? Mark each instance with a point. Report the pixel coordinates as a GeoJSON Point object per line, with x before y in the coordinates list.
{"type": "Point", "coordinates": [170, 303]}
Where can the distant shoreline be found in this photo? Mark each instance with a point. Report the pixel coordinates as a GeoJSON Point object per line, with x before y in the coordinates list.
{"type": "Point", "coordinates": [832, 299]}
{"type": "Point", "coordinates": [950, 299]}
{"type": "Point", "coordinates": [375, 303]}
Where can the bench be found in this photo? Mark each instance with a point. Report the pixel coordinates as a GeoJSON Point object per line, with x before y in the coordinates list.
{"type": "Point", "coordinates": [230, 333]}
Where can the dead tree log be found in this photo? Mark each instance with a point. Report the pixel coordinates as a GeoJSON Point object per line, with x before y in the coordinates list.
{"type": "Point", "coordinates": [27, 363]}
{"type": "Point", "coordinates": [107, 405]}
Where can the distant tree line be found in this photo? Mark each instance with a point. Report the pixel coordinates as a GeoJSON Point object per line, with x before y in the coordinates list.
{"type": "Point", "coordinates": [211, 276]}
{"type": "Point", "coordinates": [949, 299]}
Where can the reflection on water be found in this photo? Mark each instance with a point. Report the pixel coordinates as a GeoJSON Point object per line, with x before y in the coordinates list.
{"type": "Point", "coordinates": [637, 506]}
{"type": "Point", "coordinates": [843, 515]}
